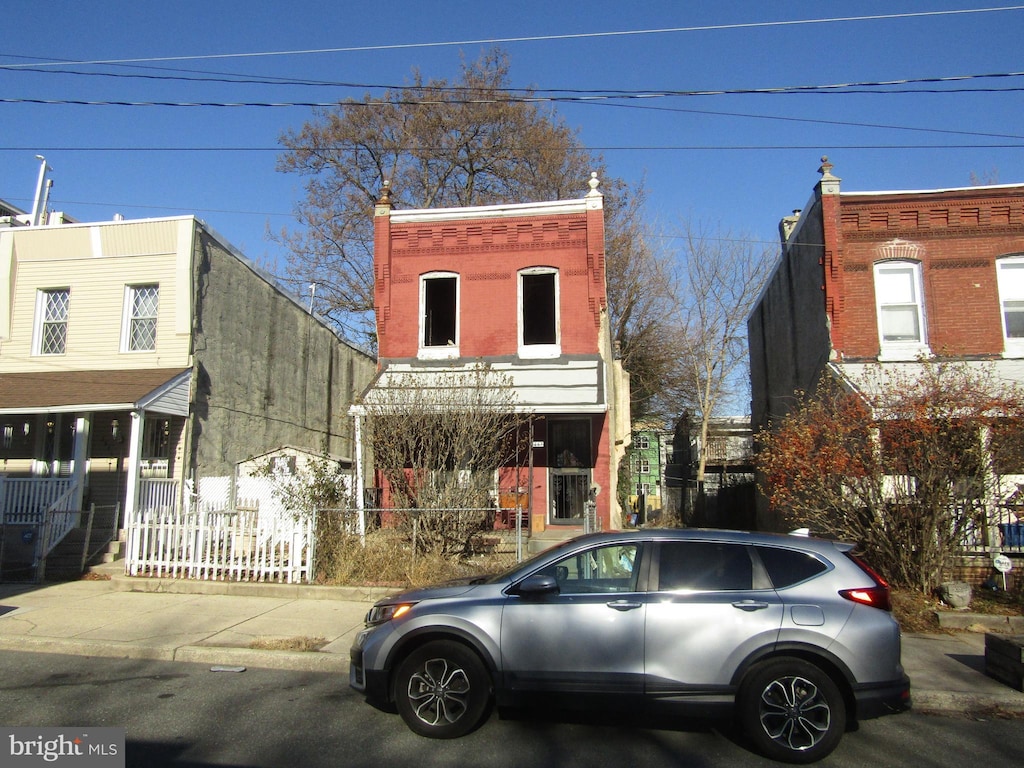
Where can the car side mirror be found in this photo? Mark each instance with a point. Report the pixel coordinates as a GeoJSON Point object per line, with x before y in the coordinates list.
{"type": "Point", "coordinates": [537, 585]}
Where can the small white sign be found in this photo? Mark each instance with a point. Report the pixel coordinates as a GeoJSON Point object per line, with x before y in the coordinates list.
{"type": "Point", "coordinates": [1002, 563]}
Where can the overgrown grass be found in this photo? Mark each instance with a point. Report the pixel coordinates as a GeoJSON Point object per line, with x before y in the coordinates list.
{"type": "Point", "coordinates": [388, 560]}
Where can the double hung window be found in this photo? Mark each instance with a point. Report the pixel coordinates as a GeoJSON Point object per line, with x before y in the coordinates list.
{"type": "Point", "coordinates": [901, 322]}
{"type": "Point", "coordinates": [1010, 277]}
{"type": "Point", "coordinates": [52, 312]}
{"type": "Point", "coordinates": [140, 314]}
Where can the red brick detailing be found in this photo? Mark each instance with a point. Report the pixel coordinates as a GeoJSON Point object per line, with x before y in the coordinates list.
{"type": "Point", "coordinates": [957, 236]}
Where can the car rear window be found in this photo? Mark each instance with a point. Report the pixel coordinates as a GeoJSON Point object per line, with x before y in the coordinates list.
{"type": "Point", "coordinates": [704, 565]}
{"type": "Point", "coordinates": [787, 567]}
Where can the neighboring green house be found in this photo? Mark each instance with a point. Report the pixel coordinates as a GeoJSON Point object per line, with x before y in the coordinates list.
{"type": "Point", "coordinates": [647, 455]}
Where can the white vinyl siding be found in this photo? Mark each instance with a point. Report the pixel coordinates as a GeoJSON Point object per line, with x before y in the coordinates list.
{"type": "Point", "coordinates": [94, 330]}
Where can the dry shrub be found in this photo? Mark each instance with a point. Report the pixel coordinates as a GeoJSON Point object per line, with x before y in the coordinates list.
{"type": "Point", "coordinates": [288, 643]}
{"type": "Point", "coordinates": [388, 559]}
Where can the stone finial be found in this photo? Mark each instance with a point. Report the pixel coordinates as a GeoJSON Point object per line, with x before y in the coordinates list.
{"type": "Point", "coordinates": [829, 184]}
{"type": "Point", "coordinates": [594, 182]}
{"type": "Point", "coordinates": [383, 204]}
{"type": "Point", "coordinates": [826, 169]}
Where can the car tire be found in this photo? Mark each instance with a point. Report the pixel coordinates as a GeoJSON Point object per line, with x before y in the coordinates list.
{"type": "Point", "coordinates": [791, 711]}
{"type": "Point", "coordinates": [442, 690]}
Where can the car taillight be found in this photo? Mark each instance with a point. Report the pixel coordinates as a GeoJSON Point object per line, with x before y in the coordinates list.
{"type": "Point", "coordinates": [877, 596]}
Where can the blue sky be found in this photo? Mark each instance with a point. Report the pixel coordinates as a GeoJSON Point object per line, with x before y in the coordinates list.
{"type": "Point", "coordinates": [739, 160]}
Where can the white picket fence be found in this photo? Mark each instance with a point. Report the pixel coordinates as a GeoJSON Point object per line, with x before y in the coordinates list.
{"type": "Point", "coordinates": [225, 545]}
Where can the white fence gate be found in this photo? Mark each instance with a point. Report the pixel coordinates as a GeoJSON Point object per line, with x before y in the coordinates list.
{"type": "Point", "coordinates": [227, 545]}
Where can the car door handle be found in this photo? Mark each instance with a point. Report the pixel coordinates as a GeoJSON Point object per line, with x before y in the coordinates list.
{"type": "Point", "coordinates": [624, 605]}
{"type": "Point", "coordinates": [750, 605]}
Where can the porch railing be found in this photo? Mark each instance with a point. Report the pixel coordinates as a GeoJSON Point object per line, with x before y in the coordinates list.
{"type": "Point", "coordinates": [59, 519]}
{"type": "Point", "coordinates": [158, 493]}
{"type": "Point", "coordinates": [24, 500]}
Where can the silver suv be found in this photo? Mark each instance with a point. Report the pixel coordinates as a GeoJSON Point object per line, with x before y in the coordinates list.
{"type": "Point", "coordinates": [790, 634]}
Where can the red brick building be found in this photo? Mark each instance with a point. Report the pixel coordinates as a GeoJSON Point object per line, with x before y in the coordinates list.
{"type": "Point", "coordinates": [886, 277]}
{"type": "Point", "coordinates": [522, 288]}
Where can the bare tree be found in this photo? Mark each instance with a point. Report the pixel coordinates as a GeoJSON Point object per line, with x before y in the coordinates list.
{"type": "Point", "coordinates": [723, 278]}
{"type": "Point", "coordinates": [642, 295]}
{"type": "Point", "coordinates": [439, 144]}
{"type": "Point", "coordinates": [441, 440]}
{"type": "Point", "coordinates": [472, 142]}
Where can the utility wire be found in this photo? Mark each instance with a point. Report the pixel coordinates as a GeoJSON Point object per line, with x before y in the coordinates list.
{"type": "Point", "coordinates": [539, 38]}
{"type": "Point", "coordinates": [493, 95]}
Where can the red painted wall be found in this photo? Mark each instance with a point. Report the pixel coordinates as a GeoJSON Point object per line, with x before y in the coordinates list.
{"type": "Point", "coordinates": [487, 254]}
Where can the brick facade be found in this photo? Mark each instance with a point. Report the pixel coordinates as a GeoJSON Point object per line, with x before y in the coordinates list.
{"type": "Point", "coordinates": [821, 305]}
{"type": "Point", "coordinates": [521, 287]}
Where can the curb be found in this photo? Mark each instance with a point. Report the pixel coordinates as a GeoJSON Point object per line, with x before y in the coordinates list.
{"type": "Point", "coordinates": [966, 620]}
{"type": "Point", "coordinates": [970, 704]}
{"type": "Point", "coordinates": [295, 661]}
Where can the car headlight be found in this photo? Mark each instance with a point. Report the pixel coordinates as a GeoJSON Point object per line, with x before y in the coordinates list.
{"type": "Point", "coordinates": [381, 614]}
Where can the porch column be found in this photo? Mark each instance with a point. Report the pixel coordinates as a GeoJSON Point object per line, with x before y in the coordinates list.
{"type": "Point", "coordinates": [131, 493]}
{"type": "Point", "coordinates": [80, 452]}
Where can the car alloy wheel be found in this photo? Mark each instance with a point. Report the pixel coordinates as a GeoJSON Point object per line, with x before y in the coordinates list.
{"type": "Point", "coordinates": [442, 690]}
{"type": "Point", "coordinates": [792, 711]}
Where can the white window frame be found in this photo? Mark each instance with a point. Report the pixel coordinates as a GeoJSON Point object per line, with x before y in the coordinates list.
{"type": "Point", "coordinates": [908, 349]}
{"type": "Point", "coordinates": [128, 317]}
{"type": "Point", "coordinates": [539, 351]}
{"type": "Point", "coordinates": [1010, 290]}
{"type": "Point", "coordinates": [438, 352]}
{"type": "Point", "coordinates": [42, 295]}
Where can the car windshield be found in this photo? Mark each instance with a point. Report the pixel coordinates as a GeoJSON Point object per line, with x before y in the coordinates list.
{"type": "Point", "coordinates": [525, 565]}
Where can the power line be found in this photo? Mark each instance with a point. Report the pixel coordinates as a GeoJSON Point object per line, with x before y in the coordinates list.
{"type": "Point", "coordinates": [508, 95]}
{"type": "Point", "coordinates": [604, 148]}
{"type": "Point", "coordinates": [542, 38]}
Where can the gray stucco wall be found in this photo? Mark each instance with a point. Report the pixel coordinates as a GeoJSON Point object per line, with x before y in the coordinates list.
{"type": "Point", "coordinates": [267, 373]}
{"type": "Point", "coordinates": [788, 330]}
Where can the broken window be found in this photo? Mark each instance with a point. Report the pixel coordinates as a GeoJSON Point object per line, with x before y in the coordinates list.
{"type": "Point", "coordinates": [440, 311]}
{"type": "Point", "coordinates": [539, 308]}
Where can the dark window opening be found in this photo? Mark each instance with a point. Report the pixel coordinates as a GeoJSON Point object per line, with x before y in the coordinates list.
{"type": "Point", "coordinates": [439, 300]}
{"type": "Point", "coordinates": [539, 309]}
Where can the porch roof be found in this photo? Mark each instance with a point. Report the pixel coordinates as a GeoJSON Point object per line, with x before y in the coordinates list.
{"type": "Point", "coordinates": [872, 378]}
{"type": "Point", "coordinates": [562, 385]}
{"type": "Point", "coordinates": [68, 391]}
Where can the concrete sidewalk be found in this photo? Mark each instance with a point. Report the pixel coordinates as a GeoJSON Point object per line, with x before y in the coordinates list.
{"type": "Point", "coordinates": [185, 620]}
{"type": "Point", "coordinates": [215, 623]}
